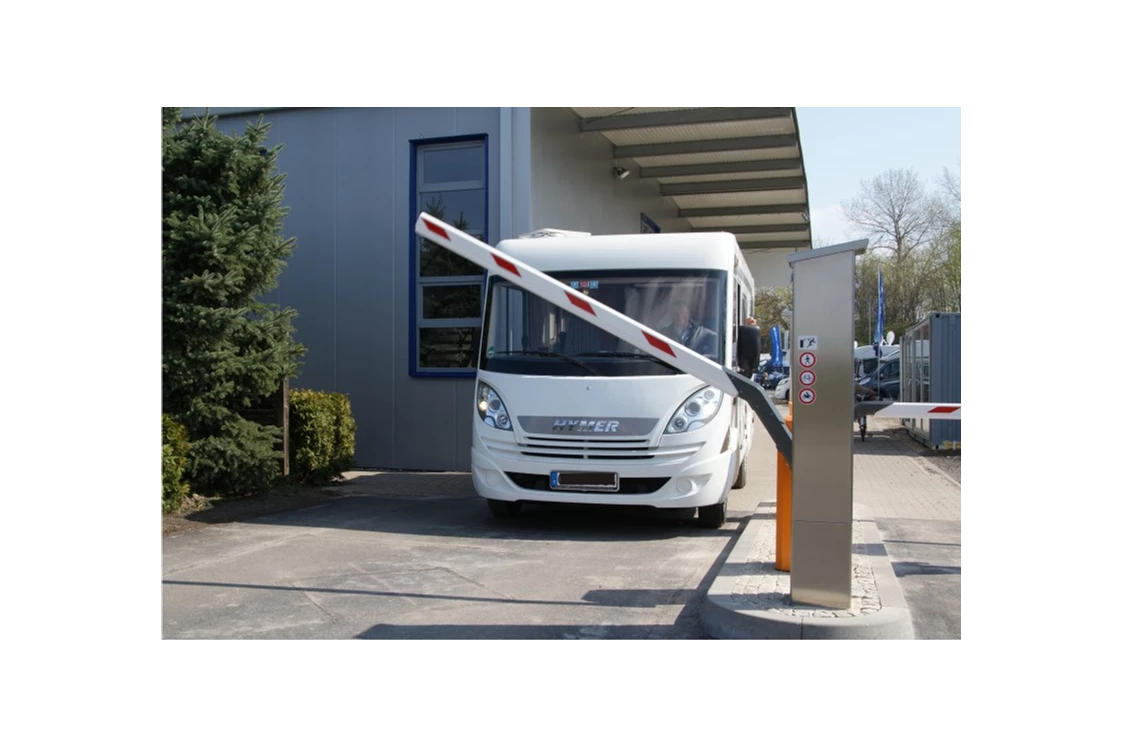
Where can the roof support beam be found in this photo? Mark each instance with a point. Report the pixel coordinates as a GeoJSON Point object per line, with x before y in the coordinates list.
{"type": "Point", "coordinates": [682, 117]}
{"type": "Point", "coordinates": [705, 146]}
{"type": "Point", "coordinates": [768, 228]}
{"type": "Point", "coordinates": [785, 244]}
{"type": "Point", "coordinates": [728, 167]}
{"type": "Point", "coordinates": [744, 210]}
{"type": "Point", "coordinates": [732, 185]}
{"type": "Point", "coordinates": [771, 249]}
{"type": "Point", "coordinates": [226, 111]}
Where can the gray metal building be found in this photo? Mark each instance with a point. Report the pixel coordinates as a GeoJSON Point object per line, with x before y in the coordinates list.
{"type": "Point", "coordinates": [388, 320]}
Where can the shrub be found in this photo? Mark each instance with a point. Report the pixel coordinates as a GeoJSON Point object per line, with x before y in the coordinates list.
{"type": "Point", "coordinates": [321, 435]}
{"type": "Point", "coordinates": [245, 454]}
{"type": "Point", "coordinates": [174, 447]}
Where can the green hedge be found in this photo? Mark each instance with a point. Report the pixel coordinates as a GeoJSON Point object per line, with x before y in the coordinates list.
{"type": "Point", "coordinates": [321, 435]}
{"type": "Point", "coordinates": [174, 447]}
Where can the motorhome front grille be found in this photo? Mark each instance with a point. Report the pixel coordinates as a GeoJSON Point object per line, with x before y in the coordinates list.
{"type": "Point", "coordinates": [561, 450]}
{"type": "Point", "coordinates": [587, 448]}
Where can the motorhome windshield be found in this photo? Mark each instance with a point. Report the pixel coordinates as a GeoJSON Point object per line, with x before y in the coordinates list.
{"type": "Point", "coordinates": [523, 334]}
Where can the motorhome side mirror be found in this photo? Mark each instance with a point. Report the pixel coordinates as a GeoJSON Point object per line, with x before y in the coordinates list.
{"type": "Point", "coordinates": [748, 347]}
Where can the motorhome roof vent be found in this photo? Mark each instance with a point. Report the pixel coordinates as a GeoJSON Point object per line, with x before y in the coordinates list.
{"type": "Point", "coordinates": [539, 233]}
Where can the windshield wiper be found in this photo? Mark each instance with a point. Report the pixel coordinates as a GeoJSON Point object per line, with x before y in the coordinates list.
{"type": "Point", "coordinates": [550, 354]}
{"type": "Point", "coordinates": [626, 354]}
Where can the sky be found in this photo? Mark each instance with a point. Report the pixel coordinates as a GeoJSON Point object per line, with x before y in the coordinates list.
{"type": "Point", "coordinates": [844, 145]}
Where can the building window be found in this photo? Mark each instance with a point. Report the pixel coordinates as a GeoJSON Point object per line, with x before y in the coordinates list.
{"type": "Point", "coordinates": [451, 179]}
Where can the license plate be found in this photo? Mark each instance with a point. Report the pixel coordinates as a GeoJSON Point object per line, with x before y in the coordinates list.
{"type": "Point", "coordinates": [568, 480]}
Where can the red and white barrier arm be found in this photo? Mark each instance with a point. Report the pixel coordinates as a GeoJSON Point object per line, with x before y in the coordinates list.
{"type": "Point", "coordinates": [889, 409]}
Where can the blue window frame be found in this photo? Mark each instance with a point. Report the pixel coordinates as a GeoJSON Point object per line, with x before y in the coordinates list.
{"type": "Point", "coordinates": [449, 180]}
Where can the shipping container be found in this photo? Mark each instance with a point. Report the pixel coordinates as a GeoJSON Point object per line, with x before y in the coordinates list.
{"type": "Point", "coordinates": [930, 373]}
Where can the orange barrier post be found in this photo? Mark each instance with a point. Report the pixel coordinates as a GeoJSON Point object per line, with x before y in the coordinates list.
{"type": "Point", "coordinates": [784, 507]}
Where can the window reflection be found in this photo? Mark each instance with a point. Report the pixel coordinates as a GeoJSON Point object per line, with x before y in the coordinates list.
{"type": "Point", "coordinates": [450, 302]}
{"type": "Point", "coordinates": [447, 347]}
{"type": "Point", "coordinates": [464, 209]}
{"type": "Point", "coordinates": [453, 164]}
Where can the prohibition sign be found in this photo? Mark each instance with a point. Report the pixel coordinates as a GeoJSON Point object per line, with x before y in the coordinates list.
{"type": "Point", "coordinates": [807, 359]}
{"type": "Point", "coordinates": [807, 377]}
{"type": "Point", "coordinates": [807, 396]}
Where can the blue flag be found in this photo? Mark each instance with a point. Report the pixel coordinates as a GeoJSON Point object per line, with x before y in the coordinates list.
{"type": "Point", "coordinates": [880, 315]}
{"type": "Point", "coordinates": [777, 354]}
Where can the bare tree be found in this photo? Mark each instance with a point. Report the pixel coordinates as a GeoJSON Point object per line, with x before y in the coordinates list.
{"type": "Point", "coordinates": [948, 245]}
{"type": "Point", "coordinates": [895, 212]}
{"type": "Point", "coordinates": [949, 183]}
{"type": "Point", "coordinates": [918, 233]}
{"type": "Point", "coordinates": [947, 288]}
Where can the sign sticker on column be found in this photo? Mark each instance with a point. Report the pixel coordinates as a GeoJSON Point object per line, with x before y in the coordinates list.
{"type": "Point", "coordinates": [807, 396]}
{"type": "Point", "coordinates": [807, 360]}
{"type": "Point", "coordinates": [808, 343]}
{"type": "Point", "coordinates": [807, 378]}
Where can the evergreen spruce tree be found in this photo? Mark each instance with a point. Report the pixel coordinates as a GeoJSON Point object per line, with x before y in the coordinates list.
{"type": "Point", "coordinates": [223, 348]}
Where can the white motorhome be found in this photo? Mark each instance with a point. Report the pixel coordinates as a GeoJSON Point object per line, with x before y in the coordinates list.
{"type": "Point", "coordinates": [570, 413]}
{"type": "Point", "coordinates": [866, 359]}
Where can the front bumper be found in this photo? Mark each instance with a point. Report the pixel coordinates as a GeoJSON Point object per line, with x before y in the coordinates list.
{"type": "Point", "coordinates": [700, 481]}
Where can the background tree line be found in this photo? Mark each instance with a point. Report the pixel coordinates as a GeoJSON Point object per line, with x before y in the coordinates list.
{"type": "Point", "coordinates": [914, 232]}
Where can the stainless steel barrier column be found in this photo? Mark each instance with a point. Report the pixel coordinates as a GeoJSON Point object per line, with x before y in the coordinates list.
{"type": "Point", "coordinates": [822, 382]}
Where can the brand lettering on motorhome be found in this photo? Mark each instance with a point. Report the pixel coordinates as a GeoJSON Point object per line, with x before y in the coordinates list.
{"type": "Point", "coordinates": [585, 425]}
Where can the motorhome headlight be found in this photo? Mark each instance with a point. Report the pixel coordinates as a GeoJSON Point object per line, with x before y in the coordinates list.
{"type": "Point", "coordinates": [696, 412]}
{"type": "Point", "coordinates": [491, 408]}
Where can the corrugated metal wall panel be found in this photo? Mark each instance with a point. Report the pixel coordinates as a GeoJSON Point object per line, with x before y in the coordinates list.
{"type": "Point", "coordinates": [348, 187]}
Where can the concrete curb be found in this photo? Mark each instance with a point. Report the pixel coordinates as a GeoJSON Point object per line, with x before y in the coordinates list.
{"type": "Point", "coordinates": [731, 614]}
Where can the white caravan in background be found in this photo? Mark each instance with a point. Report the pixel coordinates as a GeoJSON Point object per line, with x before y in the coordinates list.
{"type": "Point", "coordinates": [866, 358]}
{"type": "Point", "coordinates": [570, 413]}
